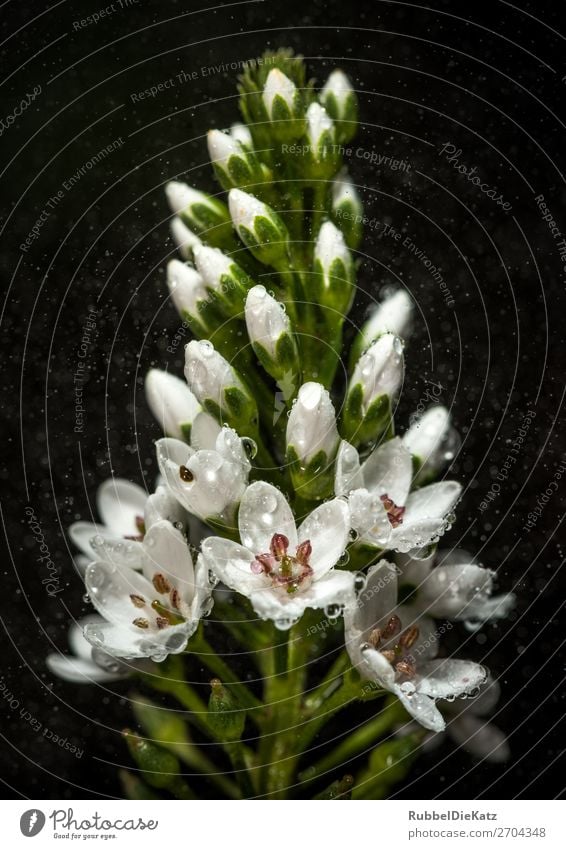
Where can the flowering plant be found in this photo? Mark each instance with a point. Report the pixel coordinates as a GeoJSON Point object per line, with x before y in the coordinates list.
{"type": "Point", "coordinates": [290, 547]}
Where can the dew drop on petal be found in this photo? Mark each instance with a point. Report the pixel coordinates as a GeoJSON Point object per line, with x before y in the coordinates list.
{"type": "Point", "coordinates": [250, 447]}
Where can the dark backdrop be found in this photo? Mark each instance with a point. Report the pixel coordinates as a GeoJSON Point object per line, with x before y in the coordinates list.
{"type": "Point", "coordinates": [489, 81]}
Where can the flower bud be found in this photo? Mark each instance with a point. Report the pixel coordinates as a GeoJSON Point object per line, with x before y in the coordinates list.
{"type": "Point", "coordinates": [334, 270]}
{"type": "Point", "coordinates": [185, 240]}
{"type": "Point", "coordinates": [392, 315]}
{"type": "Point", "coordinates": [271, 334]}
{"type": "Point", "coordinates": [234, 164]}
{"type": "Point", "coordinates": [172, 403]}
{"type": "Point", "coordinates": [219, 388]}
{"type": "Point", "coordinates": [225, 717]}
{"type": "Point", "coordinates": [189, 295]}
{"type": "Point", "coordinates": [432, 442]}
{"type": "Point", "coordinates": [347, 210]}
{"type": "Point", "coordinates": [259, 227]}
{"type": "Point", "coordinates": [312, 441]}
{"type": "Point", "coordinates": [340, 101]}
{"type": "Point", "coordinates": [241, 133]}
{"type": "Point", "coordinates": [223, 277]}
{"type": "Point", "coordinates": [202, 213]}
{"type": "Point", "coordinates": [159, 767]}
{"type": "Point", "coordinates": [373, 386]}
{"type": "Point", "coordinates": [284, 107]}
{"type": "Point", "coordinates": [322, 158]}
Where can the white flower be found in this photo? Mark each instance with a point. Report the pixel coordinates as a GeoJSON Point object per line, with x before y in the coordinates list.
{"type": "Point", "coordinates": [222, 146]}
{"type": "Point", "coordinates": [319, 122]}
{"type": "Point", "coordinates": [241, 133]}
{"type": "Point", "coordinates": [344, 192]}
{"type": "Point", "coordinates": [384, 510]}
{"type": "Point", "coordinates": [340, 87]}
{"type": "Point", "coordinates": [392, 315]}
{"type": "Point", "coordinates": [311, 427]}
{"type": "Point", "coordinates": [283, 570]}
{"type": "Point", "coordinates": [208, 482]}
{"type": "Point", "coordinates": [184, 238]}
{"type": "Point", "coordinates": [266, 320]}
{"type": "Point", "coordinates": [85, 664]}
{"type": "Point", "coordinates": [244, 208]}
{"type": "Point", "coordinates": [212, 265]}
{"type": "Point", "coordinates": [171, 402]}
{"type": "Point", "coordinates": [398, 652]}
{"type": "Point", "coordinates": [432, 441]}
{"type": "Point", "coordinates": [180, 196]}
{"type": "Point", "coordinates": [330, 246]}
{"type": "Point", "coordinates": [151, 612]}
{"type": "Point", "coordinates": [278, 83]}
{"type": "Point", "coordinates": [208, 373]}
{"type": "Point", "coordinates": [187, 288]}
{"type": "Point", "coordinates": [380, 370]}
{"type": "Point", "coordinates": [121, 507]}
{"type": "Point", "coordinates": [455, 588]}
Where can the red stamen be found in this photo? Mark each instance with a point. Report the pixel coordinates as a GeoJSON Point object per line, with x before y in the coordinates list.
{"type": "Point", "coordinates": [394, 513]}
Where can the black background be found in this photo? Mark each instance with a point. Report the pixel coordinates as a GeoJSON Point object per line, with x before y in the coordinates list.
{"type": "Point", "coordinates": [490, 80]}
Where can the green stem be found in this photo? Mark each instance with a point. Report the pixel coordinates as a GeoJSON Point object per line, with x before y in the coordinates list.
{"type": "Point", "coordinates": [201, 649]}
{"type": "Point", "coordinates": [236, 753]}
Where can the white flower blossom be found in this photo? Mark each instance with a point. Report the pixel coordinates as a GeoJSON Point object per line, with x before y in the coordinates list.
{"type": "Point", "coordinates": [85, 664]}
{"type": "Point", "coordinates": [184, 238]}
{"type": "Point", "coordinates": [385, 512]}
{"type": "Point", "coordinates": [392, 315]}
{"type": "Point", "coordinates": [171, 402]}
{"type": "Point", "coordinates": [397, 649]}
{"type": "Point", "coordinates": [283, 570]}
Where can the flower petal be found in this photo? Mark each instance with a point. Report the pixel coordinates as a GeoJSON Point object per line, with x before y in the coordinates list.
{"type": "Point", "coordinates": [411, 535]}
{"type": "Point", "coordinates": [204, 432]}
{"type": "Point", "coordinates": [81, 534]}
{"type": "Point", "coordinates": [336, 588]}
{"type": "Point", "coordinates": [119, 640]}
{"type": "Point", "coordinates": [110, 589]}
{"type": "Point", "coordinates": [481, 739]}
{"type": "Point", "coordinates": [327, 528]}
{"type": "Point", "coordinates": [231, 563]}
{"type": "Point", "coordinates": [378, 600]}
{"type": "Point", "coordinates": [389, 471]}
{"type": "Point", "coordinates": [79, 671]}
{"type": "Point", "coordinates": [162, 505]}
{"type": "Point", "coordinates": [455, 591]}
{"type": "Point", "coordinates": [264, 511]}
{"type": "Point", "coordinates": [431, 502]}
{"type": "Point", "coordinates": [348, 473]}
{"type": "Point", "coordinates": [369, 518]}
{"type": "Point", "coordinates": [422, 708]}
{"type": "Point", "coordinates": [119, 503]}
{"type": "Point", "coordinates": [444, 678]}
{"type": "Point", "coordinates": [166, 552]}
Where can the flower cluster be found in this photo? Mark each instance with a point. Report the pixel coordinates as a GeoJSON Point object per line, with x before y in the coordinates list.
{"type": "Point", "coordinates": [318, 513]}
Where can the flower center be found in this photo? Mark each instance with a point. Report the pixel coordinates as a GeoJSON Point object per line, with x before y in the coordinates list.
{"type": "Point", "coordinates": [167, 607]}
{"type": "Point", "coordinates": [285, 570]}
{"type": "Point", "coordinates": [394, 513]}
{"type": "Point", "coordinates": [395, 645]}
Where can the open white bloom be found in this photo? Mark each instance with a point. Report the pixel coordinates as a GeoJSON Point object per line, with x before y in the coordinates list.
{"type": "Point", "coordinates": [379, 371]}
{"type": "Point", "coordinates": [120, 505]}
{"type": "Point", "coordinates": [397, 651]}
{"type": "Point", "coordinates": [208, 482]}
{"type": "Point", "coordinates": [171, 402]}
{"type": "Point", "coordinates": [283, 570]}
{"type": "Point", "coordinates": [311, 427]}
{"type": "Point", "coordinates": [319, 123]}
{"type": "Point", "coordinates": [278, 84]}
{"type": "Point", "coordinates": [85, 664]}
{"type": "Point", "coordinates": [432, 441]}
{"type": "Point", "coordinates": [392, 315]}
{"type": "Point", "coordinates": [184, 238]}
{"type": "Point", "coordinates": [151, 612]}
{"type": "Point", "coordinates": [241, 133]}
{"type": "Point", "coordinates": [385, 512]}
{"type": "Point", "coordinates": [187, 289]}
{"type": "Point", "coordinates": [455, 588]}
{"type": "Point", "coordinates": [266, 320]}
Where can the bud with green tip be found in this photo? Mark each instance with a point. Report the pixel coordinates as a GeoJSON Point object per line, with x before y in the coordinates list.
{"type": "Point", "coordinates": [202, 213]}
{"type": "Point", "coordinates": [322, 158]}
{"type": "Point", "coordinates": [172, 403]}
{"type": "Point", "coordinates": [334, 271]}
{"type": "Point", "coordinates": [225, 717]}
{"type": "Point", "coordinates": [372, 388]}
{"type": "Point", "coordinates": [347, 210]}
{"type": "Point", "coordinates": [224, 279]}
{"type": "Point", "coordinates": [312, 442]}
{"type": "Point", "coordinates": [432, 441]}
{"type": "Point", "coordinates": [341, 103]}
{"type": "Point", "coordinates": [234, 165]}
{"type": "Point", "coordinates": [218, 388]}
{"type": "Point", "coordinates": [392, 315]}
{"type": "Point", "coordinates": [160, 768]}
{"type": "Point", "coordinates": [189, 295]}
{"type": "Point", "coordinates": [284, 106]}
{"type": "Point", "coordinates": [259, 227]}
{"type": "Point", "coordinates": [271, 335]}
{"type": "Point", "coordinates": [185, 240]}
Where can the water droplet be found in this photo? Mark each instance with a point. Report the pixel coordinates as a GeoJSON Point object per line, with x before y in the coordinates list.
{"type": "Point", "coordinates": [212, 578]}
{"type": "Point", "coordinates": [260, 291]}
{"type": "Point", "coordinates": [344, 559]}
{"type": "Point", "coordinates": [360, 582]}
{"type": "Point", "coordinates": [283, 624]}
{"type": "Point", "coordinates": [398, 346]}
{"type": "Point", "coordinates": [86, 598]}
{"type": "Point", "coordinates": [206, 347]}
{"type": "Point", "coordinates": [422, 553]}
{"type": "Point", "coordinates": [353, 534]}
{"type": "Point", "coordinates": [333, 611]}
{"type": "Point", "coordinates": [250, 447]}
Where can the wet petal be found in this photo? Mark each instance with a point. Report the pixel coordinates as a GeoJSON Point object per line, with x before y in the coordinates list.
{"type": "Point", "coordinates": [432, 502]}
{"type": "Point", "coordinates": [481, 739]}
{"type": "Point", "coordinates": [119, 503]}
{"type": "Point", "coordinates": [348, 474]}
{"type": "Point", "coordinates": [389, 471]}
{"type": "Point", "coordinates": [335, 588]}
{"type": "Point", "coordinates": [444, 678]}
{"type": "Point", "coordinates": [327, 528]}
{"type": "Point", "coordinates": [231, 563]}
{"type": "Point", "coordinates": [167, 553]}
{"type": "Point", "coordinates": [264, 511]}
